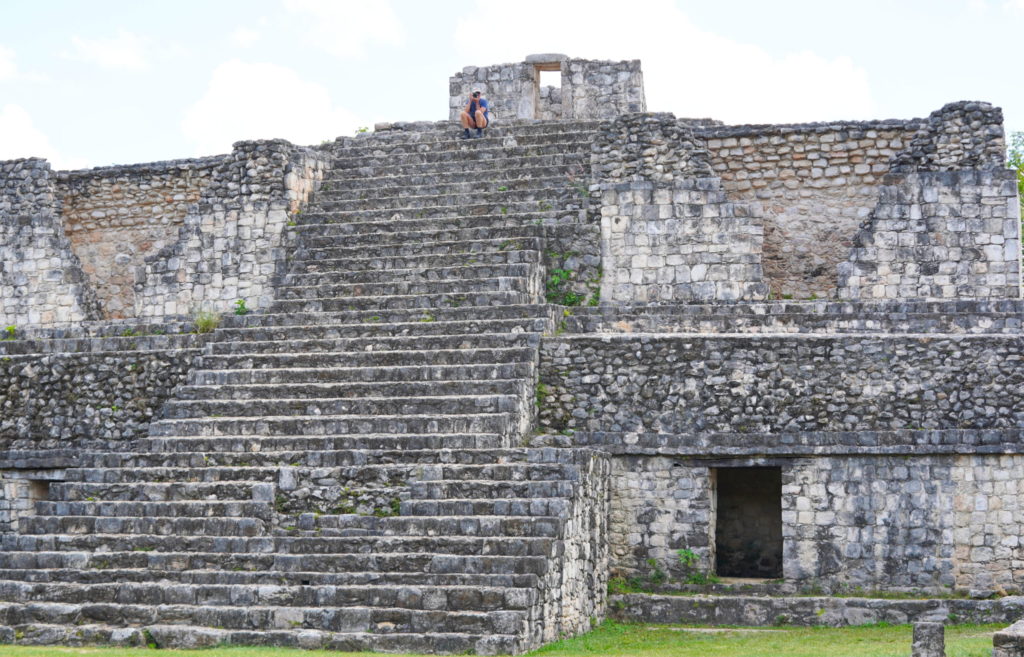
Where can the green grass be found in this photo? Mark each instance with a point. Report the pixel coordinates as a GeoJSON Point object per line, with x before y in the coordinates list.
{"type": "Point", "coordinates": [642, 640]}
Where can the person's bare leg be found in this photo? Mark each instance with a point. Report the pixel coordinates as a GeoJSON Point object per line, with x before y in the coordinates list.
{"type": "Point", "coordinates": [467, 122]}
{"type": "Point", "coordinates": [481, 123]}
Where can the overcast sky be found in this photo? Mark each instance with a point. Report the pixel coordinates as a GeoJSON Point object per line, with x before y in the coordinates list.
{"type": "Point", "coordinates": [97, 82]}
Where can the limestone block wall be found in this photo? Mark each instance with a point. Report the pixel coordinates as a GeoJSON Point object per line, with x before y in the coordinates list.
{"type": "Point", "coordinates": [232, 245]}
{"type": "Point", "coordinates": [668, 232]}
{"type": "Point", "coordinates": [41, 280]}
{"type": "Point", "coordinates": [886, 522]}
{"type": "Point", "coordinates": [945, 234]}
{"type": "Point", "coordinates": [601, 89]}
{"type": "Point", "coordinates": [117, 216]}
{"type": "Point", "coordinates": [589, 89]}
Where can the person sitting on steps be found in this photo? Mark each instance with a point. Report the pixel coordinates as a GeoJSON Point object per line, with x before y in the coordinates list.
{"type": "Point", "coordinates": [476, 115]}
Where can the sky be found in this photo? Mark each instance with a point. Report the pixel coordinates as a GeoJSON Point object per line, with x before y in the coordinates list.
{"type": "Point", "coordinates": [88, 83]}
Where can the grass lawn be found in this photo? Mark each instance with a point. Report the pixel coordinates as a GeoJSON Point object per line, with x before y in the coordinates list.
{"type": "Point", "coordinates": [642, 640]}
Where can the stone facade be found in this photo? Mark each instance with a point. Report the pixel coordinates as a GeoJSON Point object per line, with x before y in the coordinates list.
{"type": "Point", "coordinates": [589, 89]}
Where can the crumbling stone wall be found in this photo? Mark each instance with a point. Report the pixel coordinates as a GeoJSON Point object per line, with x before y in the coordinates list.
{"type": "Point", "coordinates": [41, 280]}
{"type": "Point", "coordinates": [816, 184]}
{"type": "Point", "coordinates": [117, 216]}
{"type": "Point", "coordinates": [589, 90]}
{"type": "Point", "coordinates": [233, 244]}
{"type": "Point", "coordinates": [668, 232]}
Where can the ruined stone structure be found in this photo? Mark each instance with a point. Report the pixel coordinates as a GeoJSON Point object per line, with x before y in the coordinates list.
{"type": "Point", "coordinates": [454, 403]}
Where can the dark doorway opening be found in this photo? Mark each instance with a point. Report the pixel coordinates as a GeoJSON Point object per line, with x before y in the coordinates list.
{"type": "Point", "coordinates": [748, 523]}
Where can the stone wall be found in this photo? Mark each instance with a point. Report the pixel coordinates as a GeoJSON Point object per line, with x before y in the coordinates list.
{"type": "Point", "coordinates": [752, 610]}
{"type": "Point", "coordinates": [945, 234]}
{"type": "Point", "coordinates": [668, 232]}
{"type": "Point", "coordinates": [685, 384]}
{"type": "Point", "coordinates": [589, 89]}
{"type": "Point", "coordinates": [41, 280]}
{"type": "Point", "coordinates": [877, 522]}
{"type": "Point", "coordinates": [816, 184]}
{"type": "Point", "coordinates": [117, 216]}
{"type": "Point", "coordinates": [90, 390]}
{"type": "Point", "coordinates": [891, 449]}
{"type": "Point", "coordinates": [233, 244]}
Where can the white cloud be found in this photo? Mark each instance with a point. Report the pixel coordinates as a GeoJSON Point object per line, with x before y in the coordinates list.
{"type": "Point", "coordinates": [262, 101]}
{"type": "Point", "coordinates": [125, 52]}
{"type": "Point", "coordinates": [19, 137]}
{"type": "Point", "coordinates": [245, 36]}
{"type": "Point", "coordinates": [344, 29]}
{"type": "Point", "coordinates": [687, 71]}
{"type": "Point", "coordinates": [7, 68]}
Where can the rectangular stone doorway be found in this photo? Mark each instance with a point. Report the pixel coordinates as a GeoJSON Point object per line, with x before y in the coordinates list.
{"type": "Point", "coordinates": [748, 522]}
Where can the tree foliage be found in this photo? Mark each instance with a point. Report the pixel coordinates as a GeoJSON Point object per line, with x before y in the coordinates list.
{"type": "Point", "coordinates": [1015, 160]}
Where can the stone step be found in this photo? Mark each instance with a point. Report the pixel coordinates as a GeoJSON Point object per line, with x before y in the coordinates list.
{"type": "Point", "coordinates": [425, 324]}
{"type": "Point", "coordinates": [319, 225]}
{"type": "Point", "coordinates": [183, 636]}
{"type": "Point", "coordinates": [501, 201]}
{"type": "Point", "coordinates": [172, 563]}
{"type": "Point", "coordinates": [483, 489]}
{"type": "Point", "coordinates": [308, 264]}
{"type": "Point", "coordinates": [162, 526]}
{"type": "Point", "coordinates": [333, 365]}
{"type": "Point", "coordinates": [491, 176]}
{"type": "Point", "coordinates": [334, 407]}
{"type": "Point", "coordinates": [142, 343]}
{"type": "Point", "coordinates": [436, 274]}
{"type": "Point", "coordinates": [436, 598]}
{"type": "Point", "coordinates": [421, 301]}
{"type": "Point", "coordinates": [264, 577]}
{"type": "Point", "coordinates": [175, 509]}
{"type": "Point", "coordinates": [356, 390]}
{"type": "Point", "coordinates": [389, 195]}
{"type": "Point", "coordinates": [461, 314]}
{"type": "Point", "coordinates": [544, 506]}
{"type": "Point", "coordinates": [443, 183]}
{"type": "Point", "coordinates": [370, 620]}
{"type": "Point", "coordinates": [361, 459]}
{"type": "Point", "coordinates": [310, 524]}
{"type": "Point", "coordinates": [384, 343]}
{"type": "Point", "coordinates": [402, 247]}
{"type": "Point", "coordinates": [255, 445]}
{"type": "Point", "coordinates": [198, 471]}
{"type": "Point", "coordinates": [518, 546]}
{"type": "Point", "coordinates": [159, 491]}
{"type": "Point", "coordinates": [537, 212]}
{"type": "Point", "coordinates": [469, 286]}
{"type": "Point", "coordinates": [488, 168]}
{"type": "Point", "coordinates": [457, 152]}
{"type": "Point", "coordinates": [329, 236]}
{"type": "Point", "coordinates": [322, 425]}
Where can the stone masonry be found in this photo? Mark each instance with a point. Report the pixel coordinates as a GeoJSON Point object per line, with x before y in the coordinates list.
{"type": "Point", "coordinates": [456, 406]}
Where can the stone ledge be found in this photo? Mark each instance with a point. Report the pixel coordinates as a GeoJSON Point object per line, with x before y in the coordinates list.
{"type": "Point", "coordinates": [807, 611]}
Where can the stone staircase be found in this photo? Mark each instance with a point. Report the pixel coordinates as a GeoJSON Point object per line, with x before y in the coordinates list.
{"type": "Point", "coordinates": [345, 470]}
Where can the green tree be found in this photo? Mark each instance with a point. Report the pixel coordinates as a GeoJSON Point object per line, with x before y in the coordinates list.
{"type": "Point", "coordinates": [1015, 160]}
